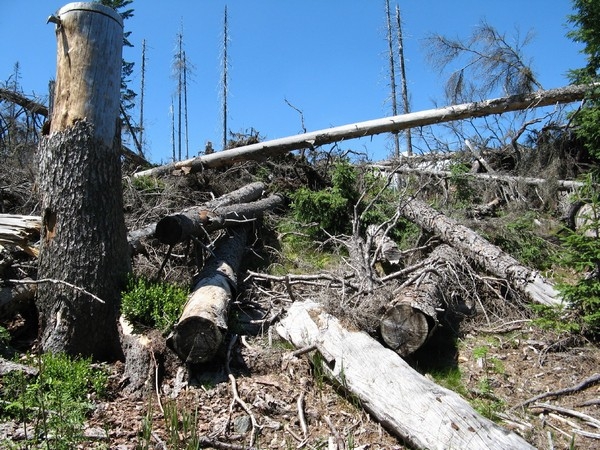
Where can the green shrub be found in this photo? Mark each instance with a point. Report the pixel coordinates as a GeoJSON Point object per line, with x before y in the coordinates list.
{"type": "Point", "coordinates": [54, 403]}
{"type": "Point", "coordinates": [150, 304]}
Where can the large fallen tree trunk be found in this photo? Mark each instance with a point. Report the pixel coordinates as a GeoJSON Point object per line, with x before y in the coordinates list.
{"type": "Point", "coordinates": [247, 193]}
{"type": "Point", "coordinates": [409, 405]}
{"type": "Point", "coordinates": [200, 330]}
{"type": "Point", "coordinates": [262, 150]}
{"type": "Point", "coordinates": [198, 221]}
{"type": "Point", "coordinates": [484, 253]}
{"type": "Point", "coordinates": [412, 317]}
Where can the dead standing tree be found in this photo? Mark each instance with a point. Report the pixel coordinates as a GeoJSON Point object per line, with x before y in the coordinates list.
{"type": "Point", "coordinates": [83, 239]}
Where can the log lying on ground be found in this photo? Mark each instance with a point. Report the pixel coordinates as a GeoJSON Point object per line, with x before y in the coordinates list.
{"type": "Point", "coordinates": [199, 333]}
{"type": "Point", "coordinates": [263, 150]}
{"type": "Point", "coordinates": [412, 318]}
{"type": "Point", "coordinates": [248, 193]}
{"type": "Point", "coordinates": [198, 221]}
{"type": "Point", "coordinates": [409, 405]}
{"type": "Point", "coordinates": [484, 253]}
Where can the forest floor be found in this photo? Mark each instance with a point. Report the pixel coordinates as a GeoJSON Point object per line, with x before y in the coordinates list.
{"type": "Point", "coordinates": [496, 365]}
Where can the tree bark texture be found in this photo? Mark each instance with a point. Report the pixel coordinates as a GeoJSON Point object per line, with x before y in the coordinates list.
{"type": "Point", "coordinates": [198, 221]}
{"type": "Point", "coordinates": [415, 409]}
{"type": "Point", "coordinates": [412, 317]}
{"type": "Point", "coordinates": [263, 150]}
{"type": "Point", "coordinates": [83, 229]}
{"type": "Point", "coordinates": [200, 331]}
{"type": "Point", "coordinates": [490, 257]}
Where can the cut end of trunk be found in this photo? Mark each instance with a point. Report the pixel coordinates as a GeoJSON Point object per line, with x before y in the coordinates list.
{"type": "Point", "coordinates": [169, 230]}
{"type": "Point", "coordinates": [195, 340]}
{"type": "Point", "coordinates": [404, 328]}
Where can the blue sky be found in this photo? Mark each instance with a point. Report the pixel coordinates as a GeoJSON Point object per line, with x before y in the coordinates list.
{"type": "Point", "coordinates": [326, 57]}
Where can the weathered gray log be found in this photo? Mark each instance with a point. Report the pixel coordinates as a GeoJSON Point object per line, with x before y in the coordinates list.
{"type": "Point", "coordinates": [248, 193]}
{"type": "Point", "coordinates": [198, 221]}
{"type": "Point", "coordinates": [412, 317]}
{"type": "Point", "coordinates": [409, 405]}
{"type": "Point", "coordinates": [263, 150]}
{"type": "Point", "coordinates": [484, 253]}
{"type": "Point", "coordinates": [583, 218]}
{"type": "Point", "coordinates": [199, 333]}
{"type": "Point", "coordinates": [10, 366]}
{"type": "Point", "coordinates": [22, 231]}
{"type": "Point", "coordinates": [19, 99]}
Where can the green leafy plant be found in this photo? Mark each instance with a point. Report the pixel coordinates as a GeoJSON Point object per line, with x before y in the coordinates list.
{"type": "Point", "coordinates": [152, 304]}
{"type": "Point", "coordinates": [460, 181]}
{"type": "Point", "coordinates": [54, 404]}
{"type": "Point", "coordinates": [581, 253]}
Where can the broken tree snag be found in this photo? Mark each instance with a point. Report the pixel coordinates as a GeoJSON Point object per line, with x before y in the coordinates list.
{"type": "Point", "coordinates": [412, 318]}
{"type": "Point", "coordinates": [198, 221]}
{"type": "Point", "coordinates": [409, 405]}
{"type": "Point", "coordinates": [263, 150]}
{"type": "Point", "coordinates": [84, 240]}
{"type": "Point", "coordinates": [525, 280]}
{"type": "Point", "coordinates": [199, 333]}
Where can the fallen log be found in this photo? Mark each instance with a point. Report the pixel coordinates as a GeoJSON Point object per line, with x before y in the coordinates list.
{"type": "Point", "coordinates": [200, 331]}
{"type": "Point", "coordinates": [409, 405]}
{"type": "Point", "coordinates": [412, 317]}
{"type": "Point", "coordinates": [263, 150]}
{"type": "Point", "coordinates": [247, 193]}
{"type": "Point", "coordinates": [198, 221]}
{"type": "Point", "coordinates": [525, 280]}
{"type": "Point", "coordinates": [560, 184]}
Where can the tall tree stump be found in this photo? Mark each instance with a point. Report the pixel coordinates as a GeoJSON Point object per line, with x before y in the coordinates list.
{"type": "Point", "coordinates": [83, 240]}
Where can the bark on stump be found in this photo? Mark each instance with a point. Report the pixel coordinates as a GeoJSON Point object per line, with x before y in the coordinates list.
{"type": "Point", "coordinates": [409, 405]}
{"type": "Point", "coordinates": [83, 229]}
{"type": "Point", "coordinates": [200, 331]}
{"type": "Point", "coordinates": [525, 280]}
{"type": "Point", "coordinates": [412, 318]}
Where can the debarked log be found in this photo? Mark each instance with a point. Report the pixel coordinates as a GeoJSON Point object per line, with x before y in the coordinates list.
{"type": "Point", "coordinates": [198, 221]}
{"type": "Point", "coordinates": [409, 405]}
{"type": "Point", "coordinates": [523, 279]}
{"type": "Point", "coordinates": [412, 317]}
{"type": "Point", "coordinates": [200, 331]}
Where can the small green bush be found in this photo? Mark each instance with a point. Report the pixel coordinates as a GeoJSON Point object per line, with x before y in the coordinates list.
{"type": "Point", "coordinates": [56, 402]}
{"type": "Point", "coordinates": [150, 304]}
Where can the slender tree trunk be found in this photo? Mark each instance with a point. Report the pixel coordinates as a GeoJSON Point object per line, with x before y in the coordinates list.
{"type": "Point", "coordinates": [83, 238]}
{"type": "Point", "coordinates": [225, 74]}
{"type": "Point", "coordinates": [405, 104]}
{"type": "Point", "coordinates": [142, 94]}
{"type": "Point", "coordinates": [388, 18]}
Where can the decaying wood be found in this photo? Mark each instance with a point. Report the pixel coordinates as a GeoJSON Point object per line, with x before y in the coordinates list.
{"type": "Point", "coordinates": [199, 333]}
{"type": "Point", "coordinates": [24, 102]}
{"type": "Point", "coordinates": [22, 231]}
{"type": "Point", "coordinates": [247, 193]}
{"type": "Point", "coordinates": [409, 405]}
{"type": "Point", "coordinates": [10, 366]}
{"type": "Point", "coordinates": [484, 253]}
{"type": "Point", "coordinates": [411, 319]}
{"type": "Point", "coordinates": [263, 150]}
{"type": "Point", "coordinates": [198, 221]}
